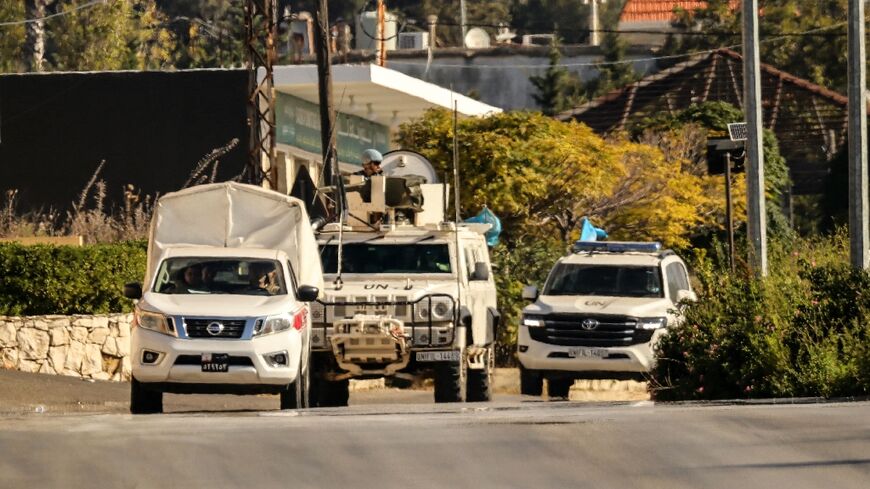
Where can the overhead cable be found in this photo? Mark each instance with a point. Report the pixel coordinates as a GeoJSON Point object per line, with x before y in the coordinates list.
{"type": "Point", "coordinates": [58, 14]}
{"type": "Point", "coordinates": [606, 63]}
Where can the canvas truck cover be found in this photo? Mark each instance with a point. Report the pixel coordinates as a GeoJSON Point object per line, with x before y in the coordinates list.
{"type": "Point", "coordinates": [235, 215]}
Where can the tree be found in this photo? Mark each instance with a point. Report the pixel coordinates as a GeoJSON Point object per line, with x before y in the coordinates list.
{"type": "Point", "coordinates": [555, 85]}
{"type": "Point", "coordinates": [541, 176]}
{"type": "Point", "coordinates": [209, 33]}
{"type": "Point", "coordinates": [112, 36]}
{"type": "Point", "coordinates": [615, 72]}
{"type": "Point", "coordinates": [713, 119]}
{"type": "Point", "coordinates": [11, 37]}
{"type": "Point", "coordinates": [818, 55]}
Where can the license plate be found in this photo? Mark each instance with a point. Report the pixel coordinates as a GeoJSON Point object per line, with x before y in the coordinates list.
{"type": "Point", "coordinates": [438, 356]}
{"type": "Point", "coordinates": [587, 353]}
{"type": "Point", "coordinates": [215, 362]}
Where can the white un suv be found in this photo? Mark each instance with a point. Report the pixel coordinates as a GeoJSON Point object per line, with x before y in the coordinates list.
{"type": "Point", "coordinates": [602, 310]}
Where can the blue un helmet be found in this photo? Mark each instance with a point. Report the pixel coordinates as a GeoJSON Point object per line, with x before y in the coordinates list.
{"type": "Point", "coordinates": [372, 155]}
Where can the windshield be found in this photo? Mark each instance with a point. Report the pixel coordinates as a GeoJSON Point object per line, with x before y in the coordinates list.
{"type": "Point", "coordinates": [609, 280]}
{"type": "Point", "coordinates": [371, 258]}
{"type": "Point", "coordinates": [243, 276]}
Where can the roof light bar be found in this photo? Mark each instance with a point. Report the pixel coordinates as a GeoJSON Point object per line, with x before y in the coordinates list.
{"type": "Point", "coordinates": [617, 246]}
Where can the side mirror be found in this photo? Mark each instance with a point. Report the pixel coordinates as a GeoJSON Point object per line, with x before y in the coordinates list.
{"type": "Point", "coordinates": [307, 293]}
{"type": "Point", "coordinates": [481, 271]}
{"type": "Point", "coordinates": [687, 296]}
{"type": "Point", "coordinates": [530, 293]}
{"type": "Point", "coordinates": [133, 291]}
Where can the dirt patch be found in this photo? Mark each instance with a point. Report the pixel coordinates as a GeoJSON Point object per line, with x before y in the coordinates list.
{"type": "Point", "coordinates": [507, 381]}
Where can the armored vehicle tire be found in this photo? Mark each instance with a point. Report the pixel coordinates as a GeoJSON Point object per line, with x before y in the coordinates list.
{"type": "Point", "coordinates": [531, 382]}
{"type": "Point", "coordinates": [144, 400]}
{"type": "Point", "coordinates": [296, 395]}
{"type": "Point", "coordinates": [559, 388]}
{"type": "Point", "coordinates": [450, 381]}
{"type": "Point", "coordinates": [479, 384]}
{"type": "Point", "coordinates": [325, 393]}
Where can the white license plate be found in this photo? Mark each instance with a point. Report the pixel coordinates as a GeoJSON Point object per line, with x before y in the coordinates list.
{"type": "Point", "coordinates": [438, 356]}
{"type": "Point", "coordinates": [587, 353]}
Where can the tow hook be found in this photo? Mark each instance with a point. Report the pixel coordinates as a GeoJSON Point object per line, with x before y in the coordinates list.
{"type": "Point", "coordinates": [476, 357]}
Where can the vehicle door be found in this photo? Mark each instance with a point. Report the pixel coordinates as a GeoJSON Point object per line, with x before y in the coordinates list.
{"type": "Point", "coordinates": [481, 296]}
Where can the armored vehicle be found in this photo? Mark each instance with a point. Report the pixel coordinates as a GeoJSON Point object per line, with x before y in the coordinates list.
{"type": "Point", "coordinates": [407, 294]}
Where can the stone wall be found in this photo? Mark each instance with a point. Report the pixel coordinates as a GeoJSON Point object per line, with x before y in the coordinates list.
{"type": "Point", "coordinates": [90, 347]}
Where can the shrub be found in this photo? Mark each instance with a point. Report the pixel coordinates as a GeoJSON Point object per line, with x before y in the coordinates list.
{"type": "Point", "coordinates": [802, 331]}
{"type": "Point", "coordinates": [527, 262]}
{"type": "Point", "coordinates": [36, 280]}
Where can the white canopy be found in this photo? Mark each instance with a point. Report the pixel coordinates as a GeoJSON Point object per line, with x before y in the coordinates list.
{"type": "Point", "coordinates": [235, 215]}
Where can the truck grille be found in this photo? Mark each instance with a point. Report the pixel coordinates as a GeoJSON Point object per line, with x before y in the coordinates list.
{"type": "Point", "coordinates": [568, 330]}
{"type": "Point", "coordinates": [197, 328]}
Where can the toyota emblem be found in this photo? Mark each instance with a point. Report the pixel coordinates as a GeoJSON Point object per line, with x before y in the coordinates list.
{"type": "Point", "coordinates": [215, 328]}
{"type": "Point", "coordinates": [589, 324]}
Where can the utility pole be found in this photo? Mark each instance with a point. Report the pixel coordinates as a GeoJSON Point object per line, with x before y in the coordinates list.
{"type": "Point", "coordinates": [729, 214]}
{"type": "Point", "coordinates": [381, 42]}
{"type": "Point", "coordinates": [594, 25]}
{"type": "Point", "coordinates": [324, 88]}
{"type": "Point", "coordinates": [261, 26]}
{"type": "Point", "coordinates": [858, 228]}
{"type": "Point", "coordinates": [462, 20]}
{"type": "Point", "coordinates": [432, 22]}
{"type": "Point", "coordinates": [755, 208]}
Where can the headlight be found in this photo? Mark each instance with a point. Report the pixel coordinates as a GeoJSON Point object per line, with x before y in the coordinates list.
{"type": "Point", "coordinates": [652, 323]}
{"type": "Point", "coordinates": [533, 321]}
{"type": "Point", "coordinates": [440, 310]}
{"type": "Point", "coordinates": [282, 322]}
{"type": "Point", "coordinates": [154, 322]}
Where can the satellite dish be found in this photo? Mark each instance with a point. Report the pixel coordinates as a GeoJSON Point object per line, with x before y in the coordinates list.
{"type": "Point", "coordinates": [400, 163]}
{"type": "Point", "coordinates": [476, 38]}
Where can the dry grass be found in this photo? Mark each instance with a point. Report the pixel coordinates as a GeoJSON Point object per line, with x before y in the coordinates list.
{"type": "Point", "coordinates": [91, 217]}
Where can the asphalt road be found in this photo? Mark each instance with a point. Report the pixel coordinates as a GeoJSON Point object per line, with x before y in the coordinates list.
{"type": "Point", "coordinates": [528, 444]}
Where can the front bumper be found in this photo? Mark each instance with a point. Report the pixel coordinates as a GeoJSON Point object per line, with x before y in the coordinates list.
{"type": "Point", "coordinates": [170, 368]}
{"type": "Point", "coordinates": [637, 359]}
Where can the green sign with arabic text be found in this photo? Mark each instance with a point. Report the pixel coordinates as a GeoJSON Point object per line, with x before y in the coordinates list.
{"type": "Point", "coordinates": [298, 124]}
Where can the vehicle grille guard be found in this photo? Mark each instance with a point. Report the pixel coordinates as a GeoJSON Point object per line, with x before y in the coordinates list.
{"type": "Point", "coordinates": [411, 327]}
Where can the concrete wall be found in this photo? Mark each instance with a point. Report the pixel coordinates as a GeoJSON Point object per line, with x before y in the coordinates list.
{"type": "Point", "coordinates": [500, 76]}
{"type": "Point", "coordinates": [89, 347]}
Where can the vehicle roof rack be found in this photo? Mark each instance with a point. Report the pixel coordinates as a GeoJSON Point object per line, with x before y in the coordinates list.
{"type": "Point", "coordinates": [617, 246]}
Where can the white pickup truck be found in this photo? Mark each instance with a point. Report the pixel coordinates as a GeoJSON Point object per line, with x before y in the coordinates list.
{"type": "Point", "coordinates": [224, 307]}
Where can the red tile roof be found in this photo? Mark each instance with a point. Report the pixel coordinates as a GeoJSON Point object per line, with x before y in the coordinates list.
{"type": "Point", "coordinates": [659, 10]}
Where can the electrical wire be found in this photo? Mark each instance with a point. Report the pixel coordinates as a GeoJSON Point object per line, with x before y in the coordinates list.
{"type": "Point", "coordinates": [400, 29]}
{"type": "Point", "coordinates": [659, 32]}
{"type": "Point", "coordinates": [58, 14]}
{"type": "Point", "coordinates": [607, 63]}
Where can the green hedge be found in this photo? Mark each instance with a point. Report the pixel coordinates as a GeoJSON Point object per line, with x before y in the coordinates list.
{"type": "Point", "coordinates": [42, 279]}
{"type": "Point", "coordinates": [802, 331]}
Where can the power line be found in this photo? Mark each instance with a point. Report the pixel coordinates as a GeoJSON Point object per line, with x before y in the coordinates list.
{"type": "Point", "coordinates": [58, 14]}
{"type": "Point", "coordinates": [611, 63]}
{"type": "Point", "coordinates": [661, 32]}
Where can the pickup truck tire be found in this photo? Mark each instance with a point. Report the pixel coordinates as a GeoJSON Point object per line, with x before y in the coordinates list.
{"type": "Point", "coordinates": [531, 382]}
{"type": "Point", "coordinates": [559, 388]}
{"type": "Point", "coordinates": [144, 400]}
{"type": "Point", "coordinates": [295, 395]}
{"type": "Point", "coordinates": [479, 385]}
{"type": "Point", "coordinates": [450, 381]}
{"type": "Point", "coordinates": [327, 393]}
